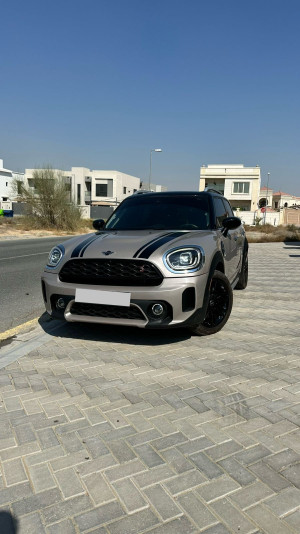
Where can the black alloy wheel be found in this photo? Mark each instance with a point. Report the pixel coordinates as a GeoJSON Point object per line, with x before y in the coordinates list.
{"type": "Point", "coordinates": [218, 308]}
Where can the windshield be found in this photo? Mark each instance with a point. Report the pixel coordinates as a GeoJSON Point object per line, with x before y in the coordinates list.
{"type": "Point", "coordinates": [143, 212]}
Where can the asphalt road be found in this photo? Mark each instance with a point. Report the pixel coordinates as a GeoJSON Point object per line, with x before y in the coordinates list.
{"type": "Point", "coordinates": [21, 264]}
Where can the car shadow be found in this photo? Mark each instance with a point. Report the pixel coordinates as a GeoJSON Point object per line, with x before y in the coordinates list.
{"type": "Point", "coordinates": [8, 523]}
{"type": "Point", "coordinates": [112, 333]}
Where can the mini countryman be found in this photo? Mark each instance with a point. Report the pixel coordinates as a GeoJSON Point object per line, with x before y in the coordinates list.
{"type": "Point", "coordinates": [162, 260]}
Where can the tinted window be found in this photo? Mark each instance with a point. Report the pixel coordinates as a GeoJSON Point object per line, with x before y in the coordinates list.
{"type": "Point", "coordinates": [220, 211]}
{"type": "Point", "coordinates": [228, 208]}
{"type": "Point", "coordinates": [143, 212]}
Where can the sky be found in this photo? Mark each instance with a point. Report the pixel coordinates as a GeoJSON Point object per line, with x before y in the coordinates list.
{"type": "Point", "coordinates": [99, 83]}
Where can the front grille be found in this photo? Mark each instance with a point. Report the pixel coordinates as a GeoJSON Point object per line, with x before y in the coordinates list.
{"type": "Point", "coordinates": [110, 272]}
{"type": "Point", "coordinates": [101, 310]}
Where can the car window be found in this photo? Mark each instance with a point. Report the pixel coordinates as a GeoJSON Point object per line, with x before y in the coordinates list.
{"type": "Point", "coordinates": [228, 208]}
{"type": "Point", "coordinates": [143, 212]}
{"type": "Point", "coordinates": [220, 212]}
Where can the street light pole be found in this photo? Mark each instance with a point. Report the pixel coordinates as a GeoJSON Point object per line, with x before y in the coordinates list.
{"type": "Point", "coordinates": [267, 196]}
{"type": "Point", "coordinates": [150, 173]}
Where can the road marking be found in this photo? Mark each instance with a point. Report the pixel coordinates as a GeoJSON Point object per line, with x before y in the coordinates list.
{"type": "Point", "coordinates": [14, 331]}
{"type": "Point", "coordinates": [25, 256]}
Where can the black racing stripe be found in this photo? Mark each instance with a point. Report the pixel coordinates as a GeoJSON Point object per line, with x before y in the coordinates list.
{"type": "Point", "coordinates": [149, 250]}
{"type": "Point", "coordinates": [149, 243]}
{"type": "Point", "coordinates": [87, 245]}
{"type": "Point", "coordinates": [79, 247]}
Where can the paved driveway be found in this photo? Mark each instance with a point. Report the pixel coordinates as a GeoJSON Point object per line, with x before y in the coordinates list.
{"type": "Point", "coordinates": [119, 431]}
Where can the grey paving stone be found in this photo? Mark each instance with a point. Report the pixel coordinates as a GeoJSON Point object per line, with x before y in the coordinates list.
{"type": "Point", "coordinates": [251, 495]}
{"type": "Point", "coordinates": [36, 502]}
{"type": "Point", "coordinates": [215, 489]}
{"type": "Point", "coordinates": [25, 434]}
{"type": "Point", "coordinates": [154, 476]}
{"type": "Point", "coordinates": [169, 441]}
{"type": "Point", "coordinates": [252, 455]}
{"type": "Point", "coordinates": [133, 524]}
{"type": "Point", "coordinates": [196, 510]}
{"type": "Point", "coordinates": [177, 526]}
{"type": "Point", "coordinates": [195, 445]}
{"type": "Point", "coordinates": [121, 451]}
{"type": "Point", "coordinates": [232, 517]}
{"type": "Point", "coordinates": [69, 483]}
{"type": "Point", "coordinates": [239, 473]}
{"type": "Point", "coordinates": [99, 516]}
{"type": "Point", "coordinates": [184, 482]}
{"type": "Point", "coordinates": [14, 472]}
{"type": "Point", "coordinates": [292, 474]}
{"type": "Point", "coordinates": [293, 520]}
{"type": "Point", "coordinates": [41, 477]}
{"type": "Point", "coordinates": [98, 489]}
{"type": "Point", "coordinates": [268, 476]}
{"type": "Point", "coordinates": [47, 438]}
{"type": "Point", "coordinates": [162, 502]}
{"type": "Point", "coordinates": [31, 524]}
{"type": "Point", "coordinates": [177, 460]}
{"type": "Point", "coordinates": [285, 502]}
{"type": "Point", "coordinates": [205, 465]}
{"type": "Point", "coordinates": [130, 496]}
{"type": "Point", "coordinates": [283, 459]}
{"type": "Point", "coordinates": [63, 527]}
{"type": "Point", "coordinates": [267, 521]}
{"type": "Point", "coordinates": [126, 470]}
{"type": "Point", "coordinates": [225, 449]}
{"type": "Point", "coordinates": [148, 455]}
{"type": "Point", "coordinates": [67, 508]}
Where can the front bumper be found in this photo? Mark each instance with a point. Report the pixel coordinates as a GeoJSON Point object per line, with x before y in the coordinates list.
{"type": "Point", "coordinates": [182, 299]}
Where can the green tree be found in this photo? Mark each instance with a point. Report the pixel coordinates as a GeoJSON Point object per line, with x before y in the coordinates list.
{"type": "Point", "coordinates": [48, 201]}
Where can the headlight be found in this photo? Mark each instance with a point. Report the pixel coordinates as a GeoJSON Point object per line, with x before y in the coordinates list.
{"type": "Point", "coordinates": [185, 259]}
{"type": "Point", "coordinates": [55, 256]}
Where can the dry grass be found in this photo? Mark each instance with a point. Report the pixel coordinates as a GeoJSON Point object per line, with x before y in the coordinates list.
{"type": "Point", "coordinates": [269, 234]}
{"type": "Point", "coordinates": [26, 226]}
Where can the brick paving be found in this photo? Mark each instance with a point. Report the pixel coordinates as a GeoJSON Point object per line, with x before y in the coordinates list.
{"type": "Point", "coordinates": [120, 431]}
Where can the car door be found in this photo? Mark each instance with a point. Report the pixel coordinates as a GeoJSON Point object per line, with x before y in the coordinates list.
{"type": "Point", "coordinates": [228, 241]}
{"type": "Point", "coordinates": [237, 241]}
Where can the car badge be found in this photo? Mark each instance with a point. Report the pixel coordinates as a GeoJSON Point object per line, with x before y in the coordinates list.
{"type": "Point", "coordinates": [107, 252]}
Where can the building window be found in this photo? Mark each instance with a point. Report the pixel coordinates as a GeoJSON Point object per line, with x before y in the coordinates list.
{"type": "Point", "coordinates": [276, 204]}
{"type": "Point", "coordinates": [6, 184]}
{"type": "Point", "coordinates": [101, 190]}
{"type": "Point", "coordinates": [241, 187]}
{"type": "Point", "coordinates": [124, 190]}
{"type": "Point", "coordinates": [78, 193]}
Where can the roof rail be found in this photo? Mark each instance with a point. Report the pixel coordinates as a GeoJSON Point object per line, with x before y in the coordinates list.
{"type": "Point", "coordinates": [210, 190]}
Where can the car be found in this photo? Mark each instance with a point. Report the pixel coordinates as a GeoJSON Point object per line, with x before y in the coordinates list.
{"type": "Point", "coordinates": [161, 260]}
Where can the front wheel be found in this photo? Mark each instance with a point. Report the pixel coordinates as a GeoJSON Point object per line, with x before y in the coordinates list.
{"type": "Point", "coordinates": [219, 306]}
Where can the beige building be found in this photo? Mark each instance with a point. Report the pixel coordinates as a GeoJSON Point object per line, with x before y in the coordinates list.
{"type": "Point", "coordinates": [239, 184]}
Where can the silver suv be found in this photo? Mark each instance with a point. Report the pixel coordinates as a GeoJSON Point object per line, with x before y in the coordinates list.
{"type": "Point", "coordinates": [162, 260]}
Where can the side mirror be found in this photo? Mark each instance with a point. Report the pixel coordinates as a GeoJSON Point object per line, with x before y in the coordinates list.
{"type": "Point", "coordinates": [230, 223]}
{"type": "Point", "coordinates": [99, 224]}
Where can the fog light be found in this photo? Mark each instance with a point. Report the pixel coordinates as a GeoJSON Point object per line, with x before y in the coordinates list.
{"type": "Point", "coordinates": [157, 309]}
{"type": "Point", "coordinates": [60, 304]}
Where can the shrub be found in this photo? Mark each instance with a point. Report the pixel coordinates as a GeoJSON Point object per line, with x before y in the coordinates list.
{"type": "Point", "coordinates": [48, 202]}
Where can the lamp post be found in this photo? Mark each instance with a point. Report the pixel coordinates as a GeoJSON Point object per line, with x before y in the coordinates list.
{"type": "Point", "coordinates": [150, 173]}
{"type": "Point", "coordinates": [267, 196]}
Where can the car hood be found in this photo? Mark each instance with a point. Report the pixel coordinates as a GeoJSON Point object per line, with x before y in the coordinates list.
{"type": "Point", "coordinates": [143, 244]}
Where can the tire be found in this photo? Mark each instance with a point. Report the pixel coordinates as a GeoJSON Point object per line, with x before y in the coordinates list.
{"type": "Point", "coordinates": [219, 306]}
{"type": "Point", "coordinates": [243, 278]}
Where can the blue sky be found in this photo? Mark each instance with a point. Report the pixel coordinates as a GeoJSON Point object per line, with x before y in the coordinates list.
{"type": "Point", "coordinates": [98, 83]}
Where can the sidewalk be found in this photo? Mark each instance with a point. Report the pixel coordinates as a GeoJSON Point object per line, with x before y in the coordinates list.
{"type": "Point", "coordinates": [119, 431]}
